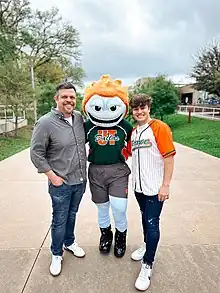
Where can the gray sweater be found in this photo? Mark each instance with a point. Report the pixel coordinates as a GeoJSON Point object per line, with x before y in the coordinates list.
{"type": "Point", "coordinates": [58, 146]}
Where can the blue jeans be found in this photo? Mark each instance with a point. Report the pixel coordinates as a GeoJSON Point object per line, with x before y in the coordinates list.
{"type": "Point", "coordinates": [151, 209]}
{"type": "Point", "coordinates": [65, 203]}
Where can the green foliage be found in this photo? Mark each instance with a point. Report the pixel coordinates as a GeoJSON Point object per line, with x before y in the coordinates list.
{"type": "Point", "coordinates": [38, 39]}
{"type": "Point", "coordinates": [7, 47]}
{"type": "Point", "coordinates": [48, 37]}
{"type": "Point", "coordinates": [15, 85]}
{"type": "Point", "coordinates": [79, 98]}
{"type": "Point", "coordinates": [164, 94]}
{"type": "Point", "coordinates": [206, 70]}
{"type": "Point", "coordinates": [16, 90]}
{"type": "Point", "coordinates": [46, 101]}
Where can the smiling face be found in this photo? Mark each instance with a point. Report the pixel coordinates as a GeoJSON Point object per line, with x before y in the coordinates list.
{"type": "Point", "coordinates": [105, 111]}
{"type": "Point", "coordinates": [66, 101]}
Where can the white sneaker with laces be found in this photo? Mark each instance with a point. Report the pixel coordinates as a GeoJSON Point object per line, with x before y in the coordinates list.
{"type": "Point", "coordinates": [75, 249]}
{"type": "Point", "coordinates": [56, 265]}
{"type": "Point", "coordinates": [143, 281]}
{"type": "Point", "coordinates": [138, 254]}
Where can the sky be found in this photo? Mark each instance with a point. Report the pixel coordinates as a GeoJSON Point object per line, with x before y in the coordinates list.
{"type": "Point", "coordinates": [129, 39]}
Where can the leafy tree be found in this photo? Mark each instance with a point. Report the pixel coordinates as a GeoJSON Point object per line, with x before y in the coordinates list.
{"type": "Point", "coordinates": [13, 13]}
{"type": "Point", "coordinates": [48, 37]}
{"type": "Point", "coordinates": [164, 94]}
{"type": "Point", "coordinates": [56, 71]}
{"type": "Point", "coordinates": [49, 45]}
{"type": "Point", "coordinates": [206, 70]}
{"type": "Point", "coordinates": [15, 87]}
{"type": "Point", "coordinates": [7, 47]}
{"type": "Point", "coordinates": [46, 101]}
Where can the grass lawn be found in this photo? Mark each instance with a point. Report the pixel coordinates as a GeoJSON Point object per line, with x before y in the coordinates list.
{"type": "Point", "coordinates": [201, 134]}
{"type": "Point", "coordinates": [11, 145]}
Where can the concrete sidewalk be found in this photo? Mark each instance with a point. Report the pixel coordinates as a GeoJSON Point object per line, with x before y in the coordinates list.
{"type": "Point", "coordinates": [188, 258]}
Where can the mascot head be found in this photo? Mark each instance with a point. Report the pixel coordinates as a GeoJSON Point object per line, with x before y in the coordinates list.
{"type": "Point", "coordinates": [106, 102]}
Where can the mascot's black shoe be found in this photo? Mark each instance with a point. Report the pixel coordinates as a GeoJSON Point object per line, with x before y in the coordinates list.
{"type": "Point", "coordinates": [105, 240]}
{"type": "Point", "coordinates": [120, 243]}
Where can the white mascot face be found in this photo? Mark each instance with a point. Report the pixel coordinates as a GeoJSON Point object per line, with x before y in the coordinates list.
{"type": "Point", "coordinates": [104, 111]}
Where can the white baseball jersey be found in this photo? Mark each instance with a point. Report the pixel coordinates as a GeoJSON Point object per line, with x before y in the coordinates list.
{"type": "Point", "coordinates": [150, 144]}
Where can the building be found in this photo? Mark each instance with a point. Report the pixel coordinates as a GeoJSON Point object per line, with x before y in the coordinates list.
{"type": "Point", "coordinates": [189, 95]}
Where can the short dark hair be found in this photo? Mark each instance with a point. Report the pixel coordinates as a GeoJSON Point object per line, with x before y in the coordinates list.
{"type": "Point", "coordinates": [66, 86]}
{"type": "Point", "coordinates": [140, 100]}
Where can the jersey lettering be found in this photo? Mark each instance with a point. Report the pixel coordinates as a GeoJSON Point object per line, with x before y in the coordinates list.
{"type": "Point", "coordinates": [103, 137]}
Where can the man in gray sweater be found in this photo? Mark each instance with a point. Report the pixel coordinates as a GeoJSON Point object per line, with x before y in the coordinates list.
{"type": "Point", "coordinates": [58, 150]}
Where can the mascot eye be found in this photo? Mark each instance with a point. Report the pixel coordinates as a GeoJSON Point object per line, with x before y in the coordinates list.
{"type": "Point", "coordinates": [113, 108]}
{"type": "Point", "coordinates": [97, 108]}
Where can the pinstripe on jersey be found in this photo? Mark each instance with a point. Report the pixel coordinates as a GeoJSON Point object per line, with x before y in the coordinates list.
{"type": "Point", "coordinates": [151, 143]}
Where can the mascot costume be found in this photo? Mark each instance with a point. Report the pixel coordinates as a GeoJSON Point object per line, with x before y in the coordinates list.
{"type": "Point", "coordinates": [105, 103]}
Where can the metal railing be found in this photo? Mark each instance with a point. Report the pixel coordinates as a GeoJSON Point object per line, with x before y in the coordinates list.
{"type": "Point", "coordinates": [201, 111]}
{"type": "Point", "coordinates": [7, 113]}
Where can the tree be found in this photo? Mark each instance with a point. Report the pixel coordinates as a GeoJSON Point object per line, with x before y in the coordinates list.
{"type": "Point", "coordinates": [206, 70]}
{"type": "Point", "coordinates": [48, 37]}
{"type": "Point", "coordinates": [56, 71]}
{"type": "Point", "coordinates": [13, 13]}
{"type": "Point", "coordinates": [50, 46]}
{"type": "Point", "coordinates": [164, 94]}
{"type": "Point", "coordinates": [15, 87]}
{"type": "Point", "coordinates": [7, 47]}
{"type": "Point", "coordinates": [46, 101]}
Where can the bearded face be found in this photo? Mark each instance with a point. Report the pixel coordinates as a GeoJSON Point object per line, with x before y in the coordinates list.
{"type": "Point", "coordinates": [105, 111]}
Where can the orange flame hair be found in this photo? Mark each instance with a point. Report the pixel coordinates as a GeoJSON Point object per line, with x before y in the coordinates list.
{"type": "Point", "coordinates": [106, 87]}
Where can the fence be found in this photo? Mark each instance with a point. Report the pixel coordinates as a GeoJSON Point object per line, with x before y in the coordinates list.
{"type": "Point", "coordinates": [201, 111]}
{"type": "Point", "coordinates": [8, 119]}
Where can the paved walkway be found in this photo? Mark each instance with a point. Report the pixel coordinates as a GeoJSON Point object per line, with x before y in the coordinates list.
{"type": "Point", "coordinates": [188, 259]}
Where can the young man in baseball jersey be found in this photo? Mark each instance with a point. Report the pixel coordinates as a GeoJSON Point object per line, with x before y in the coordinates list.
{"type": "Point", "coordinates": [152, 168]}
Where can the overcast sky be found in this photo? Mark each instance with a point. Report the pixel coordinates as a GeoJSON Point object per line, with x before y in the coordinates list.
{"type": "Point", "coordinates": [129, 39]}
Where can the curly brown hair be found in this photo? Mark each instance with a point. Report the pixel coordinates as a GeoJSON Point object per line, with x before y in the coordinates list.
{"type": "Point", "coordinates": [140, 100]}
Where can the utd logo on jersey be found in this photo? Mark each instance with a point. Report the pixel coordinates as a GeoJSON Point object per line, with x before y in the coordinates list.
{"type": "Point", "coordinates": [103, 137]}
{"type": "Point", "coordinates": [143, 143]}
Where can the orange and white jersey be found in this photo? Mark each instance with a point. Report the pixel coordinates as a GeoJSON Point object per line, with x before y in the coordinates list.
{"type": "Point", "coordinates": [150, 144]}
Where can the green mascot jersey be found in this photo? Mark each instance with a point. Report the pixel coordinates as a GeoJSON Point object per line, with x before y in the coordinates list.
{"type": "Point", "coordinates": [106, 144]}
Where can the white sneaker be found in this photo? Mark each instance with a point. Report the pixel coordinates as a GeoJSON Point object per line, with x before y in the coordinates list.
{"type": "Point", "coordinates": [55, 267]}
{"type": "Point", "coordinates": [75, 249]}
{"type": "Point", "coordinates": [138, 254]}
{"type": "Point", "coordinates": [143, 281]}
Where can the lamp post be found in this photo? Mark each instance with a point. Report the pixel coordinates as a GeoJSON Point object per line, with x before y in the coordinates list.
{"type": "Point", "coordinates": [33, 86]}
{"type": "Point", "coordinates": [32, 79]}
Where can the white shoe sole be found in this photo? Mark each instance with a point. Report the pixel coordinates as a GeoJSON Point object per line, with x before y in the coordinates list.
{"type": "Point", "coordinates": [135, 259]}
{"type": "Point", "coordinates": [55, 275]}
{"type": "Point", "coordinates": [79, 256]}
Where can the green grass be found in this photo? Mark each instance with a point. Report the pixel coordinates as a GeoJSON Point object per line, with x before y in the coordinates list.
{"type": "Point", "coordinates": [11, 145]}
{"type": "Point", "coordinates": [201, 134]}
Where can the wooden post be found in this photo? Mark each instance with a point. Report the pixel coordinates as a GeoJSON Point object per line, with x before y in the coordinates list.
{"type": "Point", "coordinates": [189, 116]}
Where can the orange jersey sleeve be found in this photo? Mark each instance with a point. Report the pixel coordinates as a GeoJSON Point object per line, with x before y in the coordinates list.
{"type": "Point", "coordinates": [163, 137]}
